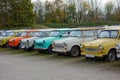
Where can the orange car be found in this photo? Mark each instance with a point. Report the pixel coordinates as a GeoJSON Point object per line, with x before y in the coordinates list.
{"type": "Point", "coordinates": [15, 42]}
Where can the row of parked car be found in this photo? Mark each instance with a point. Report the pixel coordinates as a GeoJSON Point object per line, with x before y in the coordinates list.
{"type": "Point", "coordinates": [92, 42]}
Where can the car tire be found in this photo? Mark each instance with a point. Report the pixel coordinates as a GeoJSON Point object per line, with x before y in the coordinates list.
{"type": "Point", "coordinates": [19, 46]}
{"type": "Point", "coordinates": [7, 45]}
{"type": "Point", "coordinates": [111, 56]}
{"type": "Point", "coordinates": [50, 49]}
{"type": "Point", "coordinates": [75, 51]}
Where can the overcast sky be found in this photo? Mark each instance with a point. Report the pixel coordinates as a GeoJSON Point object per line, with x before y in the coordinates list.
{"type": "Point", "coordinates": [103, 1]}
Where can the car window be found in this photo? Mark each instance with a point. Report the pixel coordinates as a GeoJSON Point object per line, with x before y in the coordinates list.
{"type": "Point", "coordinates": [18, 33]}
{"type": "Point", "coordinates": [54, 34]}
{"type": "Point", "coordinates": [47, 33]}
{"type": "Point", "coordinates": [65, 34]}
{"type": "Point", "coordinates": [39, 34]}
{"type": "Point", "coordinates": [32, 34]}
{"type": "Point", "coordinates": [10, 33]}
{"type": "Point", "coordinates": [88, 33]}
{"type": "Point", "coordinates": [76, 33]}
{"type": "Point", "coordinates": [23, 33]}
{"type": "Point", "coordinates": [108, 34]}
{"type": "Point", "coordinates": [4, 34]}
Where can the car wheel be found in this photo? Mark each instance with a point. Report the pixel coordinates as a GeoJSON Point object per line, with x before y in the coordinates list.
{"type": "Point", "coordinates": [7, 45]}
{"type": "Point", "coordinates": [75, 51]}
{"type": "Point", "coordinates": [50, 49]}
{"type": "Point", "coordinates": [19, 46]}
{"type": "Point", "coordinates": [111, 56]}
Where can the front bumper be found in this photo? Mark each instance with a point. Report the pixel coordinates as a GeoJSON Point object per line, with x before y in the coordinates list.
{"type": "Point", "coordinates": [93, 54]}
{"type": "Point", "coordinates": [61, 50]}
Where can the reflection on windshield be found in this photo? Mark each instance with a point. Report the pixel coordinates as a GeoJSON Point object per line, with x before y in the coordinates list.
{"type": "Point", "coordinates": [10, 33]}
{"type": "Point", "coordinates": [76, 34]}
{"type": "Point", "coordinates": [108, 34]}
{"type": "Point", "coordinates": [54, 34]}
{"type": "Point", "coordinates": [23, 34]}
{"type": "Point", "coordinates": [38, 34]}
{"type": "Point", "coordinates": [18, 33]}
{"type": "Point", "coordinates": [4, 34]}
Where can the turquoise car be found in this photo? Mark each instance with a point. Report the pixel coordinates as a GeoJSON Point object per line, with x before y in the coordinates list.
{"type": "Point", "coordinates": [45, 44]}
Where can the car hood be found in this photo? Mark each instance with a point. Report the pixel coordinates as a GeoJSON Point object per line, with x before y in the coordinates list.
{"type": "Point", "coordinates": [100, 42]}
{"type": "Point", "coordinates": [45, 39]}
{"type": "Point", "coordinates": [68, 40]}
{"type": "Point", "coordinates": [8, 37]}
{"type": "Point", "coordinates": [16, 38]}
{"type": "Point", "coordinates": [31, 38]}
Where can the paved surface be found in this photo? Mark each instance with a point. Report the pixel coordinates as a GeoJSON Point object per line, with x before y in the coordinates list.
{"type": "Point", "coordinates": [47, 67]}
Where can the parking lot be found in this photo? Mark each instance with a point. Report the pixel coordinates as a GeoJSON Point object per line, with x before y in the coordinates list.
{"type": "Point", "coordinates": [21, 65]}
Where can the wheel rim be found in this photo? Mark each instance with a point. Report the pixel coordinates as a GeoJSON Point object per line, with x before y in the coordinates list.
{"type": "Point", "coordinates": [111, 56]}
{"type": "Point", "coordinates": [74, 51]}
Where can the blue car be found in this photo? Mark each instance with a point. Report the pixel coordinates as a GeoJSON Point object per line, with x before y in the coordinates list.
{"type": "Point", "coordinates": [46, 43]}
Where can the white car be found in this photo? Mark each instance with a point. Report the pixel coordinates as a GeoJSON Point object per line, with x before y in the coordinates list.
{"type": "Point", "coordinates": [71, 45]}
{"type": "Point", "coordinates": [28, 43]}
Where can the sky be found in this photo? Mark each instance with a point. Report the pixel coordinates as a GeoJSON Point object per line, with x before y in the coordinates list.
{"type": "Point", "coordinates": [103, 1]}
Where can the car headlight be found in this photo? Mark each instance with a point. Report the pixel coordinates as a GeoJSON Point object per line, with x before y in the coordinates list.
{"type": "Point", "coordinates": [65, 45]}
{"type": "Point", "coordinates": [101, 47]}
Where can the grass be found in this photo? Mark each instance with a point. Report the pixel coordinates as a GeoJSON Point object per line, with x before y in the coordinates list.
{"type": "Point", "coordinates": [34, 26]}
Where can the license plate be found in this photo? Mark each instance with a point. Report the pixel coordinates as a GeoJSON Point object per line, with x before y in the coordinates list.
{"type": "Point", "coordinates": [90, 55]}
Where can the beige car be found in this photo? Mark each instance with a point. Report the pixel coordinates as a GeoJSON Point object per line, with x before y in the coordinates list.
{"type": "Point", "coordinates": [71, 45]}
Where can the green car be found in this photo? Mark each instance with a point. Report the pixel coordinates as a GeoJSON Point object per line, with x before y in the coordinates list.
{"type": "Point", "coordinates": [46, 43]}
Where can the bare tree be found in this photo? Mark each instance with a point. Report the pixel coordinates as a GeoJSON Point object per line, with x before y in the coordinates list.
{"type": "Point", "coordinates": [95, 6]}
{"type": "Point", "coordinates": [39, 11]}
{"type": "Point", "coordinates": [109, 10]}
{"type": "Point", "coordinates": [117, 9]}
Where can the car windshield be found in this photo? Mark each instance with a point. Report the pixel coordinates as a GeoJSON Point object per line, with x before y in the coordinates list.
{"type": "Point", "coordinates": [32, 34]}
{"type": "Point", "coordinates": [108, 34]}
{"type": "Point", "coordinates": [18, 33]}
{"type": "Point", "coordinates": [54, 34]}
{"type": "Point", "coordinates": [4, 34]}
{"type": "Point", "coordinates": [76, 33]}
{"type": "Point", "coordinates": [23, 34]}
{"type": "Point", "coordinates": [10, 33]}
{"type": "Point", "coordinates": [38, 34]}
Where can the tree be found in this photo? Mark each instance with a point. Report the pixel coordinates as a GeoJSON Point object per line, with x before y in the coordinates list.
{"type": "Point", "coordinates": [117, 9]}
{"type": "Point", "coordinates": [39, 11]}
{"type": "Point", "coordinates": [94, 9]}
{"type": "Point", "coordinates": [17, 13]}
{"type": "Point", "coordinates": [109, 9]}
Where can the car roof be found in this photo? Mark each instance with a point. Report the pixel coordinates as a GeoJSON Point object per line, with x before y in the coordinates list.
{"type": "Point", "coordinates": [89, 28]}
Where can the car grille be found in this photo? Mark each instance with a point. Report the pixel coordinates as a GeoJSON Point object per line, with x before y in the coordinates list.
{"type": "Point", "coordinates": [39, 44]}
{"type": "Point", "coordinates": [92, 49]}
{"type": "Point", "coordinates": [58, 46]}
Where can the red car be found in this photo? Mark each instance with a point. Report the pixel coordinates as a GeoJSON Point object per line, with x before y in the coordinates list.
{"type": "Point", "coordinates": [15, 42]}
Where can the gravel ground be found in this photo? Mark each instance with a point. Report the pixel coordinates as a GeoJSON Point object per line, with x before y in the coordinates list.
{"type": "Point", "coordinates": [52, 67]}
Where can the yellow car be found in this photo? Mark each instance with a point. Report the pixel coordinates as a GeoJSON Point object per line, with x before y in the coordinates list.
{"type": "Point", "coordinates": [10, 34]}
{"type": "Point", "coordinates": [104, 46]}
